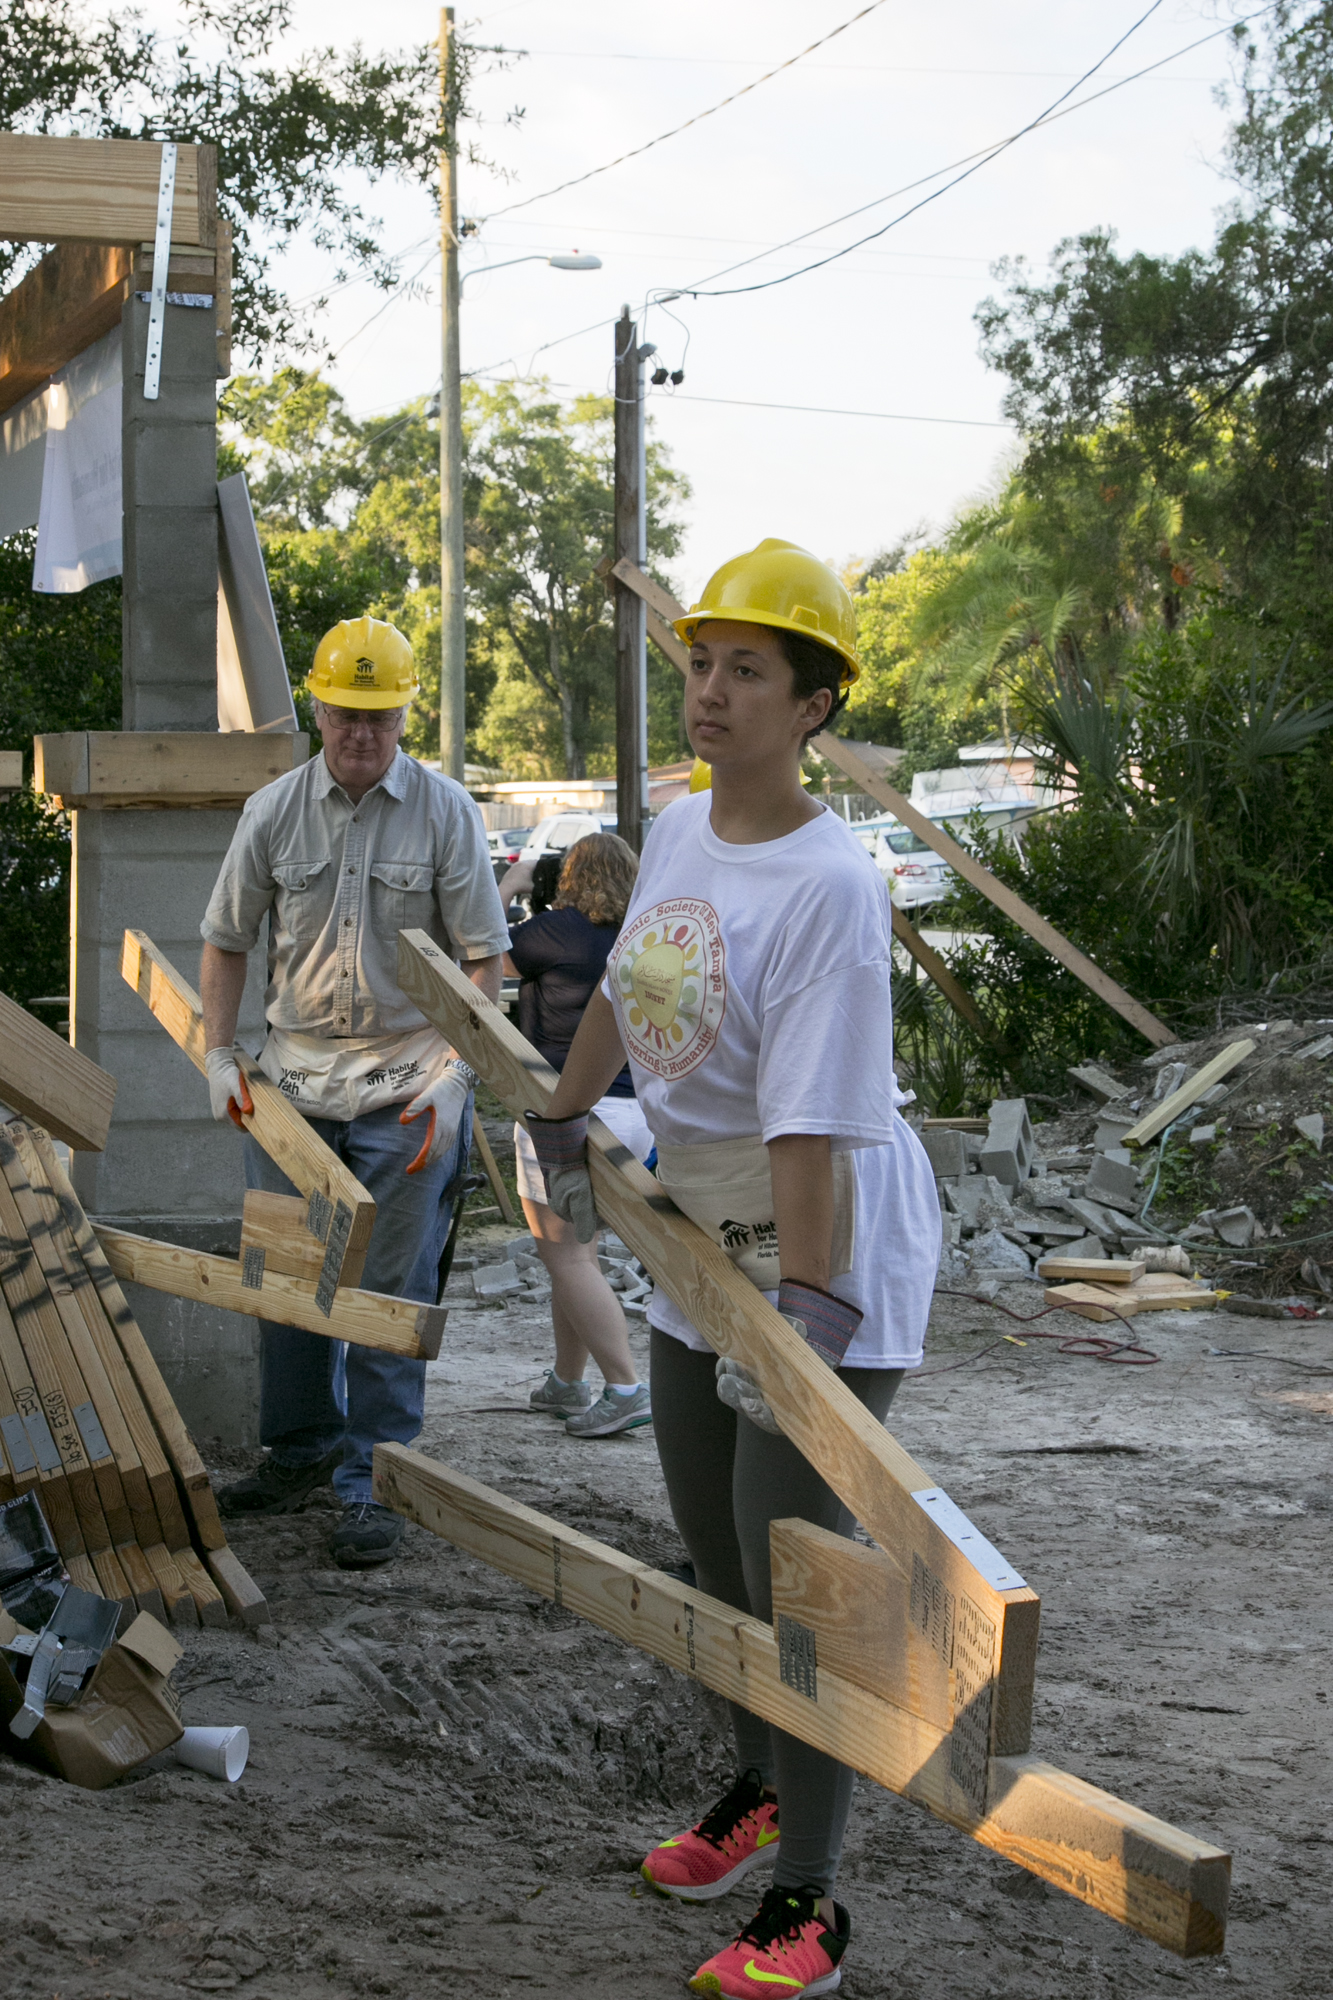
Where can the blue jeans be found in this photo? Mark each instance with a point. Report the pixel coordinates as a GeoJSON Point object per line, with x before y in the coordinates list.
{"type": "Point", "coordinates": [301, 1415]}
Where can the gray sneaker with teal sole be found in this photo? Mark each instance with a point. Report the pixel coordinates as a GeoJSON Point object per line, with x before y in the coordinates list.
{"type": "Point", "coordinates": [560, 1399]}
{"type": "Point", "coordinates": [612, 1413]}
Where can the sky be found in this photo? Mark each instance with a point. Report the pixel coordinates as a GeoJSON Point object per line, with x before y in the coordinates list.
{"type": "Point", "coordinates": [887, 330]}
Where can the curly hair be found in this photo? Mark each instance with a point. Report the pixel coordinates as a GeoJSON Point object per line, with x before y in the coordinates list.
{"type": "Point", "coordinates": [597, 877]}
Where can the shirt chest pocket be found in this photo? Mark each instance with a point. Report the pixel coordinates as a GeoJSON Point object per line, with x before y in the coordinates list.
{"type": "Point", "coordinates": [402, 897]}
{"type": "Point", "coordinates": [304, 898]}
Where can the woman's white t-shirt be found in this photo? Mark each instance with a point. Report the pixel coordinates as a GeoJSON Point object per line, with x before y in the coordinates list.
{"type": "Point", "coordinates": [751, 985]}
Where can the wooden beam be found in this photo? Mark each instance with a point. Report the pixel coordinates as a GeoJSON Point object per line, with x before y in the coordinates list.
{"type": "Point", "coordinates": [866, 1467]}
{"type": "Point", "coordinates": [102, 190]}
{"type": "Point", "coordinates": [101, 768]}
{"type": "Point", "coordinates": [997, 892]}
{"type": "Point", "coordinates": [661, 609]}
{"type": "Point", "coordinates": [69, 300]}
{"type": "Point", "coordinates": [275, 1237]}
{"type": "Point", "coordinates": [366, 1319]}
{"type": "Point", "coordinates": [1144, 1873]}
{"type": "Point", "coordinates": [47, 1080]}
{"type": "Point", "coordinates": [492, 1171]}
{"type": "Point", "coordinates": [1170, 1108]}
{"type": "Point", "coordinates": [341, 1213]}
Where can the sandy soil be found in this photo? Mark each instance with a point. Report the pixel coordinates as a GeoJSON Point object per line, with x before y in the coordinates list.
{"type": "Point", "coordinates": [452, 1783]}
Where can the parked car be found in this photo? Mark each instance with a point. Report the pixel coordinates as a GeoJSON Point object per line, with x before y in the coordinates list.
{"type": "Point", "coordinates": [558, 831]}
{"type": "Point", "coordinates": [913, 871]}
{"type": "Point", "coordinates": [506, 843]}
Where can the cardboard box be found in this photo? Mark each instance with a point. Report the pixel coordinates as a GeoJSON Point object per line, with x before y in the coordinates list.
{"type": "Point", "coordinates": [128, 1711]}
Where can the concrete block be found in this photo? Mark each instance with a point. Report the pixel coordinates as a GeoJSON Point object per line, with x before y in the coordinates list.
{"type": "Point", "coordinates": [1097, 1083]}
{"type": "Point", "coordinates": [1114, 1179]}
{"type": "Point", "coordinates": [172, 553]}
{"type": "Point", "coordinates": [1204, 1135]}
{"type": "Point", "coordinates": [1112, 1125]}
{"type": "Point", "coordinates": [1237, 1226]}
{"type": "Point", "coordinates": [496, 1281]}
{"type": "Point", "coordinates": [1169, 1077]}
{"type": "Point", "coordinates": [980, 1201]}
{"type": "Point", "coordinates": [1044, 1191]}
{"type": "Point", "coordinates": [1086, 1246]}
{"type": "Point", "coordinates": [1312, 1128]}
{"type": "Point", "coordinates": [1009, 1150]}
{"type": "Point", "coordinates": [1102, 1222]}
{"type": "Point", "coordinates": [993, 1251]}
{"type": "Point", "coordinates": [174, 465]}
{"type": "Point", "coordinates": [946, 1152]}
{"type": "Point", "coordinates": [952, 1266]}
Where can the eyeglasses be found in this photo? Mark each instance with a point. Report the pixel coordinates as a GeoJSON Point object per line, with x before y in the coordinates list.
{"type": "Point", "coordinates": [381, 720]}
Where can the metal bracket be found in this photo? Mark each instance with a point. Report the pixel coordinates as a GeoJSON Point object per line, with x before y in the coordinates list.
{"type": "Point", "coordinates": [969, 1541]}
{"type": "Point", "coordinates": [157, 310]}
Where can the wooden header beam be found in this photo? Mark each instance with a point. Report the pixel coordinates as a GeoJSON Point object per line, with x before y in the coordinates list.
{"type": "Point", "coordinates": [100, 769]}
{"type": "Point", "coordinates": [866, 1467]}
{"type": "Point", "coordinates": [102, 191]}
{"type": "Point", "coordinates": [340, 1213]}
{"type": "Point", "coordinates": [1134, 1868]}
{"type": "Point", "coordinates": [662, 607]}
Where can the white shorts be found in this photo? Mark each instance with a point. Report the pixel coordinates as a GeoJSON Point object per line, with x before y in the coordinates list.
{"type": "Point", "coordinates": [620, 1114]}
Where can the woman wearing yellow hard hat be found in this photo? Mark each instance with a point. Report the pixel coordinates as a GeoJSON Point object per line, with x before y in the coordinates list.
{"type": "Point", "coordinates": [750, 988]}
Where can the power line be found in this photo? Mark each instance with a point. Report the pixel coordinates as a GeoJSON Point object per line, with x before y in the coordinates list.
{"type": "Point", "coordinates": [842, 69]}
{"type": "Point", "coordinates": [698, 117]}
{"type": "Point", "coordinates": [819, 410]}
{"type": "Point", "coordinates": [980, 158]}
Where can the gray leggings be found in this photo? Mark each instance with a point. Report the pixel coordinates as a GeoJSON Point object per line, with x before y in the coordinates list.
{"type": "Point", "coordinates": [726, 1480]}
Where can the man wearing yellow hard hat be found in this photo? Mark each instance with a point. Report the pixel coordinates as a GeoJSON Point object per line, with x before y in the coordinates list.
{"type": "Point", "coordinates": [750, 988]}
{"type": "Point", "coordinates": [338, 857]}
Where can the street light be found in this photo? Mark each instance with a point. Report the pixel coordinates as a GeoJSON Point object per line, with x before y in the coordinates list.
{"type": "Point", "coordinates": [453, 625]}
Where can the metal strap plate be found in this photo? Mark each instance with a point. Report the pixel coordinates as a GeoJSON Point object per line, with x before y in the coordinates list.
{"type": "Point", "coordinates": [319, 1214]}
{"type": "Point", "coordinates": [90, 1430]}
{"type": "Point", "coordinates": [42, 1442]}
{"type": "Point", "coordinates": [252, 1267]}
{"type": "Point", "coordinates": [340, 1229]}
{"type": "Point", "coordinates": [17, 1449]}
{"type": "Point", "coordinates": [797, 1663]}
{"type": "Point", "coordinates": [968, 1540]}
{"type": "Point", "coordinates": [157, 310]}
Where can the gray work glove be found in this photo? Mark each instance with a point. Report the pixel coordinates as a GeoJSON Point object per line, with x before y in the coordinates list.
{"type": "Point", "coordinates": [825, 1324]}
{"type": "Point", "coordinates": [561, 1146]}
{"type": "Point", "coordinates": [228, 1095]}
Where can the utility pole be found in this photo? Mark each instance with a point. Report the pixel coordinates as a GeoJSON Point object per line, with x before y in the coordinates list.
{"type": "Point", "coordinates": [453, 624]}
{"type": "Point", "coordinates": [631, 539]}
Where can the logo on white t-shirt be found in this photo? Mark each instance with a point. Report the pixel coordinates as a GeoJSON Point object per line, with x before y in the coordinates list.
{"type": "Point", "coordinates": [669, 972]}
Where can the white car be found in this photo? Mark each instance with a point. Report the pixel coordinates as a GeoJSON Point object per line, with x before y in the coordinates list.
{"type": "Point", "coordinates": [558, 831]}
{"type": "Point", "coordinates": [913, 871]}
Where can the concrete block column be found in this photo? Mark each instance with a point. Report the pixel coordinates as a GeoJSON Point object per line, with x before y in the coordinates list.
{"type": "Point", "coordinates": [168, 1169]}
{"type": "Point", "coordinates": [169, 473]}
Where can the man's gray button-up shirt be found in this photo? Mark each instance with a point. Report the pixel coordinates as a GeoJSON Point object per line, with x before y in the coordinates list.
{"type": "Point", "coordinates": [342, 881]}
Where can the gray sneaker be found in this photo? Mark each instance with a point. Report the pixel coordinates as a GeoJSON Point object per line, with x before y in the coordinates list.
{"type": "Point", "coordinates": [612, 1413]}
{"type": "Point", "coordinates": [560, 1399]}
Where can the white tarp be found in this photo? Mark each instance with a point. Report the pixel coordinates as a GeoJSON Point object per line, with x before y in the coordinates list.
{"type": "Point", "coordinates": [22, 456]}
{"type": "Point", "coordinates": [79, 528]}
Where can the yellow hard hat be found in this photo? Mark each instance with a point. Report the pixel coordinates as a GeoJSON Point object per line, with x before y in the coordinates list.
{"type": "Point", "coordinates": [783, 585]}
{"type": "Point", "coordinates": [363, 663]}
{"type": "Point", "coordinates": [701, 777]}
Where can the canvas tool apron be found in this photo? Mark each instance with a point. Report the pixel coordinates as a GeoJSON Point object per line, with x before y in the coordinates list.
{"type": "Point", "coordinates": [727, 1189]}
{"type": "Point", "coordinates": [343, 1078]}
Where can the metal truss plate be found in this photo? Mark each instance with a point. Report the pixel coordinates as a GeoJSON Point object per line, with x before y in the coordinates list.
{"type": "Point", "coordinates": [984, 1557]}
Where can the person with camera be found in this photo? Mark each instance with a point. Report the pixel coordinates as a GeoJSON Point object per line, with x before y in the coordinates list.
{"type": "Point", "coordinates": [578, 903]}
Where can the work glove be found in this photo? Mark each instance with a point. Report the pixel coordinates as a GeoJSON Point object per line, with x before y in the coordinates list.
{"type": "Point", "coordinates": [228, 1095]}
{"type": "Point", "coordinates": [561, 1146]}
{"type": "Point", "coordinates": [446, 1101]}
{"type": "Point", "coordinates": [826, 1324]}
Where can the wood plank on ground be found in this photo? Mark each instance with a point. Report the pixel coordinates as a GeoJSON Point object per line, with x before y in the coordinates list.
{"type": "Point", "coordinates": [1170, 1108]}
{"type": "Point", "coordinates": [1148, 1875]}
{"type": "Point", "coordinates": [1092, 1270]}
{"type": "Point", "coordinates": [244, 1599]}
{"type": "Point", "coordinates": [366, 1319]}
{"type": "Point", "coordinates": [837, 752]}
{"type": "Point", "coordinates": [208, 1599]}
{"type": "Point", "coordinates": [46, 1079]}
{"type": "Point", "coordinates": [341, 1213]}
{"type": "Point", "coordinates": [176, 1594]}
{"type": "Point", "coordinates": [866, 1466]}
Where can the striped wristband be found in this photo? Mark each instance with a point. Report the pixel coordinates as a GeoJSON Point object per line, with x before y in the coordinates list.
{"type": "Point", "coordinates": [830, 1324]}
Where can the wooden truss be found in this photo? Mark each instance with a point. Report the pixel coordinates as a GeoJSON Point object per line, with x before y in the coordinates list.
{"type": "Point", "coordinates": [913, 1661]}
{"type": "Point", "coordinates": [661, 607]}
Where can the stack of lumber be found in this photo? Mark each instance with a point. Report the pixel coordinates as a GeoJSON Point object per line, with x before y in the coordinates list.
{"type": "Point", "coordinates": [1106, 1288]}
{"type": "Point", "coordinates": [86, 1418]}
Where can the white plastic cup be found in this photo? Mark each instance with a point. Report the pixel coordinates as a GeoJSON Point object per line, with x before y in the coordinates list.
{"type": "Point", "coordinates": [222, 1753]}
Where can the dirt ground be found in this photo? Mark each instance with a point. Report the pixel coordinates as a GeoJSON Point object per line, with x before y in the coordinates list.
{"type": "Point", "coordinates": [452, 1783]}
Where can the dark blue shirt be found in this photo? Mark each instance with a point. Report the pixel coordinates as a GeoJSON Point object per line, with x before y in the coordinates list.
{"type": "Point", "coordinates": [561, 957]}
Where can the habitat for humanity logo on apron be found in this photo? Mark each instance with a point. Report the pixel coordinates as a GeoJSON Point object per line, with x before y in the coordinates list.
{"type": "Point", "coordinates": [670, 973]}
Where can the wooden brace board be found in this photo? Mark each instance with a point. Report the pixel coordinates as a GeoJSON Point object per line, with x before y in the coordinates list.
{"type": "Point", "coordinates": [663, 607]}
{"type": "Point", "coordinates": [47, 1080]}
{"type": "Point", "coordinates": [1147, 1875]}
{"type": "Point", "coordinates": [366, 1319]}
{"type": "Point", "coordinates": [341, 1213]}
{"type": "Point", "coordinates": [866, 1467]}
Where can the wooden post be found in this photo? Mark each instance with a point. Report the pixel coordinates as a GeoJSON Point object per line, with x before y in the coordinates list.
{"type": "Point", "coordinates": [631, 543]}
{"type": "Point", "coordinates": [453, 625]}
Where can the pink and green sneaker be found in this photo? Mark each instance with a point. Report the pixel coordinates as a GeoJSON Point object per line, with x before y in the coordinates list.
{"type": "Point", "coordinates": [740, 1831]}
{"type": "Point", "coordinates": [786, 1950]}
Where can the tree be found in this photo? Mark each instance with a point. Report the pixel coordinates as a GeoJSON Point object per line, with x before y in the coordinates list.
{"type": "Point", "coordinates": [287, 137]}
